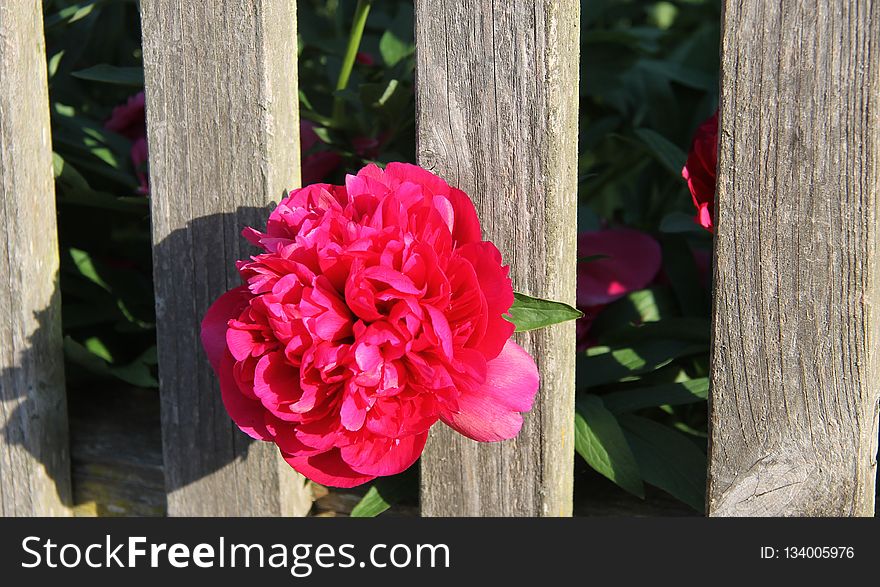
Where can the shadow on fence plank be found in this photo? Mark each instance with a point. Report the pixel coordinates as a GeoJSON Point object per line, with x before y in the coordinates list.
{"type": "Point", "coordinates": [211, 467]}
{"type": "Point", "coordinates": [33, 414]}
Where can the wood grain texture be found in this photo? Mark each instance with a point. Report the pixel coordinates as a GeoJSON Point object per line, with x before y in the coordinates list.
{"type": "Point", "coordinates": [223, 137]}
{"type": "Point", "coordinates": [795, 374]}
{"type": "Point", "coordinates": [34, 454]}
{"type": "Point", "coordinates": [497, 111]}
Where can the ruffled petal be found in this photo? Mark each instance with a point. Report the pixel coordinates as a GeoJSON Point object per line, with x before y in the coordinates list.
{"type": "Point", "coordinates": [328, 468]}
{"type": "Point", "coordinates": [498, 292]}
{"type": "Point", "coordinates": [492, 411]}
{"type": "Point", "coordinates": [248, 414]}
{"type": "Point", "coordinates": [215, 323]}
{"type": "Point", "coordinates": [384, 456]}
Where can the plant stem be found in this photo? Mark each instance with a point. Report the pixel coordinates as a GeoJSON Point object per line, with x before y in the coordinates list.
{"type": "Point", "coordinates": [354, 42]}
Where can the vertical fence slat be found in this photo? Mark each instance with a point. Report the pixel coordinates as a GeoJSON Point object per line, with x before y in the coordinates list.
{"type": "Point", "coordinates": [223, 138]}
{"type": "Point", "coordinates": [795, 364]}
{"type": "Point", "coordinates": [497, 116]}
{"type": "Point", "coordinates": [34, 453]}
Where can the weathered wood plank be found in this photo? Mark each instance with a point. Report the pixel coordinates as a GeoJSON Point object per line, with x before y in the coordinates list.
{"type": "Point", "coordinates": [223, 135]}
{"type": "Point", "coordinates": [795, 363]}
{"type": "Point", "coordinates": [34, 454]}
{"type": "Point", "coordinates": [497, 116]}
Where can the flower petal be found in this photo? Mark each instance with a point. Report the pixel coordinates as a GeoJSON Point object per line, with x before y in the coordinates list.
{"type": "Point", "coordinates": [215, 323]}
{"type": "Point", "coordinates": [328, 468]}
{"type": "Point", "coordinates": [634, 259]}
{"type": "Point", "coordinates": [249, 415]}
{"type": "Point", "coordinates": [492, 411]}
{"type": "Point", "coordinates": [384, 456]}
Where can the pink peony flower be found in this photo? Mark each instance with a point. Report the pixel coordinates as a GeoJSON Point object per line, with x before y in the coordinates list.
{"type": "Point", "coordinates": [373, 310]}
{"type": "Point", "coordinates": [633, 260]}
{"type": "Point", "coordinates": [129, 119]}
{"type": "Point", "coordinates": [700, 171]}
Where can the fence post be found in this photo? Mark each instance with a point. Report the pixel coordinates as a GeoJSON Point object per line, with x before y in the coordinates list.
{"type": "Point", "coordinates": [34, 453]}
{"type": "Point", "coordinates": [223, 137]}
{"type": "Point", "coordinates": [795, 367]}
{"type": "Point", "coordinates": [497, 111]}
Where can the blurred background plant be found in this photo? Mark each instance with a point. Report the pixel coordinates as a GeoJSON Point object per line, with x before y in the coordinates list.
{"type": "Point", "coordinates": [649, 73]}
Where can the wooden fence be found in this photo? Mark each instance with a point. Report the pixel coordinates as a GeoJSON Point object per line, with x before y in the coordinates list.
{"type": "Point", "coordinates": [795, 373]}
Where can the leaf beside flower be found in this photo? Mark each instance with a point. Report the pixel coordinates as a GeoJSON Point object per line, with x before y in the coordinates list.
{"type": "Point", "coordinates": [528, 313]}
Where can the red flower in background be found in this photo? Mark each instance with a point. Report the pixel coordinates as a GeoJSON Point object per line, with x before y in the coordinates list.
{"type": "Point", "coordinates": [700, 171]}
{"type": "Point", "coordinates": [364, 59]}
{"type": "Point", "coordinates": [373, 310]}
{"type": "Point", "coordinates": [632, 260]}
{"type": "Point", "coordinates": [130, 120]}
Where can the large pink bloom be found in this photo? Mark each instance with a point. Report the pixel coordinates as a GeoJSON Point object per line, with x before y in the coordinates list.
{"type": "Point", "coordinates": [373, 310]}
{"type": "Point", "coordinates": [700, 171]}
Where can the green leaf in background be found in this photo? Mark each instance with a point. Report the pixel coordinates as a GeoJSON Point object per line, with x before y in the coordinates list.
{"type": "Point", "coordinates": [71, 14]}
{"type": "Point", "coordinates": [686, 76]}
{"type": "Point", "coordinates": [89, 357]}
{"type": "Point", "coordinates": [111, 74]}
{"type": "Point", "coordinates": [599, 439]}
{"type": "Point", "coordinates": [602, 365]}
{"type": "Point", "coordinates": [382, 495]}
{"type": "Point", "coordinates": [681, 269]}
{"type": "Point", "coordinates": [693, 329]}
{"type": "Point", "coordinates": [393, 49]}
{"type": "Point", "coordinates": [371, 505]}
{"type": "Point", "coordinates": [630, 400]}
{"type": "Point", "coordinates": [86, 267]}
{"type": "Point", "coordinates": [639, 307]}
{"type": "Point", "coordinates": [663, 150]}
{"type": "Point", "coordinates": [529, 313]}
{"type": "Point", "coordinates": [667, 459]}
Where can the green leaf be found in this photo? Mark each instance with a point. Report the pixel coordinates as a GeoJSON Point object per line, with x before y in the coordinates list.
{"type": "Point", "coordinates": [667, 153]}
{"type": "Point", "coordinates": [97, 347]}
{"type": "Point", "coordinates": [667, 459]}
{"type": "Point", "coordinates": [110, 74]}
{"type": "Point", "coordinates": [136, 373]}
{"type": "Point", "coordinates": [381, 495]}
{"type": "Point", "coordinates": [637, 308]}
{"type": "Point", "coordinates": [529, 313]}
{"type": "Point", "coordinates": [599, 439]}
{"type": "Point", "coordinates": [672, 394]}
{"type": "Point", "coordinates": [602, 365]}
{"type": "Point", "coordinates": [693, 329]}
{"type": "Point", "coordinates": [86, 267]}
{"type": "Point", "coordinates": [71, 14]}
{"type": "Point", "coordinates": [686, 76]}
{"type": "Point", "coordinates": [371, 505]}
{"type": "Point", "coordinates": [75, 190]}
{"type": "Point", "coordinates": [681, 269]}
{"type": "Point", "coordinates": [393, 49]}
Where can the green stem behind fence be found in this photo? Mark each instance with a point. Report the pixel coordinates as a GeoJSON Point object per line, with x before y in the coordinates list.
{"type": "Point", "coordinates": [354, 43]}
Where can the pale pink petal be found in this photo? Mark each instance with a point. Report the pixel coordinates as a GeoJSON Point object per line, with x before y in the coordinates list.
{"type": "Point", "coordinates": [492, 412]}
